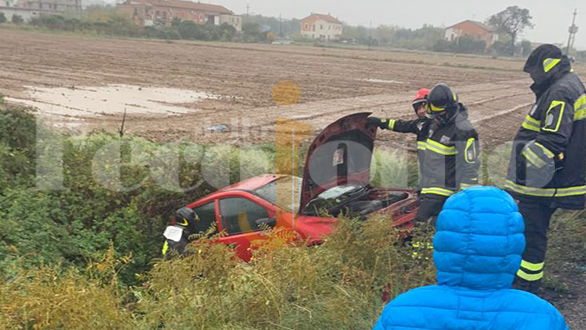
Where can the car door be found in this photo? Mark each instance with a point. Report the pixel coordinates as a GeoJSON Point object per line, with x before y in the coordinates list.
{"type": "Point", "coordinates": [238, 216]}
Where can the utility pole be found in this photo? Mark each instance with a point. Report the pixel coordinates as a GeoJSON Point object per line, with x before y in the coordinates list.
{"type": "Point", "coordinates": [370, 34]}
{"type": "Point", "coordinates": [247, 9]}
{"type": "Point", "coordinates": [573, 30]}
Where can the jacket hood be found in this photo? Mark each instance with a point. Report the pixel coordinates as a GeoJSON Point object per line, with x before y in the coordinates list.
{"type": "Point", "coordinates": [546, 64]}
{"type": "Point", "coordinates": [479, 240]}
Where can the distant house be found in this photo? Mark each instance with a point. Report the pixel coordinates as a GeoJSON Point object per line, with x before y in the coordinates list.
{"type": "Point", "coordinates": [152, 12]}
{"type": "Point", "coordinates": [473, 29]}
{"type": "Point", "coordinates": [322, 27]}
{"type": "Point", "coordinates": [54, 6]}
{"type": "Point", "coordinates": [29, 9]}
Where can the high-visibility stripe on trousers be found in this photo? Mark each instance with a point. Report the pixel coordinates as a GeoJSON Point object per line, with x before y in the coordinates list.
{"type": "Point", "coordinates": [537, 215]}
{"type": "Point", "coordinates": [530, 271]}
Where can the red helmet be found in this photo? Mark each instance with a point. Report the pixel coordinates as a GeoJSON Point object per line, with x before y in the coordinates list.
{"type": "Point", "coordinates": [421, 97]}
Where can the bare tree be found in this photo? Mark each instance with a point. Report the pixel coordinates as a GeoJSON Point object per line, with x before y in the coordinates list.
{"type": "Point", "coordinates": [511, 21]}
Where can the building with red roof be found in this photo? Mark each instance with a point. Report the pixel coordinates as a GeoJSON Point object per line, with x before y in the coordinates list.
{"type": "Point", "coordinates": [322, 27]}
{"type": "Point", "coordinates": [472, 29]}
{"type": "Point", "coordinates": [153, 12]}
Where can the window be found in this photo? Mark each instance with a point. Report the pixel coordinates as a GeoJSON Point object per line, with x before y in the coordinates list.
{"type": "Point", "coordinates": [207, 217]}
{"type": "Point", "coordinates": [239, 215]}
{"type": "Point", "coordinates": [284, 192]}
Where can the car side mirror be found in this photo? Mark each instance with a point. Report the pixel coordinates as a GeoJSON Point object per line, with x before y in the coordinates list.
{"type": "Point", "coordinates": [270, 222]}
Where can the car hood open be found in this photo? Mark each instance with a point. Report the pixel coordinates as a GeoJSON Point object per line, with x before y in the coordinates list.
{"type": "Point", "coordinates": [340, 155]}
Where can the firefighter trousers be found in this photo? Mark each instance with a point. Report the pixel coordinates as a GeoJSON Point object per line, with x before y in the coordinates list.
{"type": "Point", "coordinates": [429, 207]}
{"type": "Point", "coordinates": [537, 216]}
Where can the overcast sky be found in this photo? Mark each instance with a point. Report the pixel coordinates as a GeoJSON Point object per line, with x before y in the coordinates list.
{"type": "Point", "coordinates": [551, 18]}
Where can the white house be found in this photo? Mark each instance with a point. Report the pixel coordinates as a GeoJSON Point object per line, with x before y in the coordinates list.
{"type": "Point", "coordinates": [322, 27]}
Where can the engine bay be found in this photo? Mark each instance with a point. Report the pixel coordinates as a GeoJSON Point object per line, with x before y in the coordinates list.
{"type": "Point", "coordinates": [352, 201]}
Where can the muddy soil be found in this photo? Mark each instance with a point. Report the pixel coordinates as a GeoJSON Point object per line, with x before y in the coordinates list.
{"type": "Point", "coordinates": [245, 82]}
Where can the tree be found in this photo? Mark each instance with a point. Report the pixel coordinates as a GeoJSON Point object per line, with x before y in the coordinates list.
{"type": "Point", "coordinates": [17, 19]}
{"type": "Point", "coordinates": [464, 44]}
{"type": "Point", "coordinates": [226, 32]}
{"type": "Point", "coordinates": [175, 22]}
{"type": "Point", "coordinates": [2, 18]}
{"type": "Point", "coordinates": [526, 47]}
{"type": "Point", "coordinates": [252, 32]}
{"type": "Point", "coordinates": [191, 30]}
{"type": "Point", "coordinates": [511, 21]}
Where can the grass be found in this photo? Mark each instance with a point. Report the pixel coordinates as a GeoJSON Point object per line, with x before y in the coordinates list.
{"type": "Point", "coordinates": [337, 285]}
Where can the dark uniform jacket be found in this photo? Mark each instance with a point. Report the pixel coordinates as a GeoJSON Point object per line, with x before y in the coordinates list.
{"type": "Point", "coordinates": [447, 151]}
{"type": "Point", "coordinates": [419, 127]}
{"type": "Point", "coordinates": [548, 159]}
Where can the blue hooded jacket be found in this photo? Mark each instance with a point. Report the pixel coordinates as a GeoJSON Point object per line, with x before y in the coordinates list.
{"type": "Point", "coordinates": [477, 251]}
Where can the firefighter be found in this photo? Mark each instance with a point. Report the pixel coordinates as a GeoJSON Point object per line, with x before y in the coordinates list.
{"type": "Point", "coordinates": [419, 126]}
{"type": "Point", "coordinates": [448, 149]}
{"type": "Point", "coordinates": [547, 165]}
{"type": "Point", "coordinates": [177, 234]}
{"type": "Point", "coordinates": [447, 145]}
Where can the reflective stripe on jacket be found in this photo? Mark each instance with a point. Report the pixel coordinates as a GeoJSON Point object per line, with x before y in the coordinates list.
{"type": "Point", "coordinates": [451, 156]}
{"type": "Point", "coordinates": [447, 153]}
{"type": "Point", "coordinates": [548, 159]}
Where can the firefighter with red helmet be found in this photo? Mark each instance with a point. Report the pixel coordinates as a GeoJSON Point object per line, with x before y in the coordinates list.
{"type": "Point", "coordinates": [447, 147]}
{"type": "Point", "coordinates": [419, 126]}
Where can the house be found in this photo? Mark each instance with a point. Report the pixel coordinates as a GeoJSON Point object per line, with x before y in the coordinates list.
{"type": "Point", "coordinates": [153, 12]}
{"type": "Point", "coordinates": [28, 9]}
{"type": "Point", "coordinates": [322, 27]}
{"type": "Point", "coordinates": [471, 29]}
{"type": "Point", "coordinates": [54, 6]}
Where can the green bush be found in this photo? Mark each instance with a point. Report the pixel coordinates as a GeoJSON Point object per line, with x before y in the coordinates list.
{"type": "Point", "coordinates": [57, 298]}
{"type": "Point", "coordinates": [464, 44]}
{"type": "Point", "coordinates": [17, 19]}
{"type": "Point", "coordinates": [107, 21]}
{"type": "Point", "coordinates": [393, 169]}
{"type": "Point", "coordinates": [336, 285]}
{"type": "Point", "coordinates": [190, 30]}
{"type": "Point", "coordinates": [17, 146]}
{"type": "Point", "coordinates": [83, 217]}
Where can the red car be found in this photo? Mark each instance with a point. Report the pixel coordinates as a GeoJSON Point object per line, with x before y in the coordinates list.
{"type": "Point", "coordinates": [335, 181]}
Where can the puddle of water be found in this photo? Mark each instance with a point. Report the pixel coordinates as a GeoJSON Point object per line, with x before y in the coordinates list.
{"type": "Point", "coordinates": [110, 100]}
{"type": "Point", "coordinates": [383, 81]}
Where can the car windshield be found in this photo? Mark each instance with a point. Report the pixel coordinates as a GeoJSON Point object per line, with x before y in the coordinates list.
{"type": "Point", "coordinates": [284, 192]}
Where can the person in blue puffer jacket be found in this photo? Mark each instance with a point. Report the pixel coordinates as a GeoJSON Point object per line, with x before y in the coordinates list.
{"type": "Point", "coordinates": [477, 251]}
